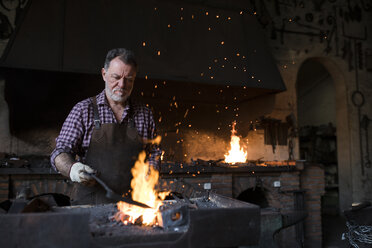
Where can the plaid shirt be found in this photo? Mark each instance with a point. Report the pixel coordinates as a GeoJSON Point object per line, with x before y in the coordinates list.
{"type": "Point", "coordinates": [77, 129]}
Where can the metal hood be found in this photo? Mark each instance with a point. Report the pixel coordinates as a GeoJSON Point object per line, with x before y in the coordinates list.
{"type": "Point", "coordinates": [184, 41]}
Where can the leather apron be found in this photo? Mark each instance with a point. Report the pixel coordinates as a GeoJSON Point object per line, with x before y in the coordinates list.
{"type": "Point", "coordinates": [112, 152]}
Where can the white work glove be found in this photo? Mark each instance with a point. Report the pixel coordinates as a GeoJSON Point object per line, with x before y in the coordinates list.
{"type": "Point", "coordinates": [77, 173]}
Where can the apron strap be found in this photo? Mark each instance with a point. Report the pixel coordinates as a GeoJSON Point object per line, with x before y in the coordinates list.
{"type": "Point", "coordinates": [97, 121]}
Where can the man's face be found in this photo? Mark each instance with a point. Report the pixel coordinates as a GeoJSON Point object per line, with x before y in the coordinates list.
{"type": "Point", "coordinates": [119, 80]}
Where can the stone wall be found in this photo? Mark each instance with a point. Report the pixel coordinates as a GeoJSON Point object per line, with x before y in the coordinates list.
{"type": "Point", "coordinates": [334, 34]}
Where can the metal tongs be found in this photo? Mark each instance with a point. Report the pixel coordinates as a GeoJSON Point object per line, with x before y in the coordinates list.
{"type": "Point", "coordinates": [110, 194]}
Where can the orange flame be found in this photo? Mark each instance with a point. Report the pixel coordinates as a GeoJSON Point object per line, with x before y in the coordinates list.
{"type": "Point", "coordinates": [143, 185]}
{"type": "Point", "coordinates": [236, 153]}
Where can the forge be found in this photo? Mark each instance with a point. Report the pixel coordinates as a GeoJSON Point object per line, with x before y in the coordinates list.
{"type": "Point", "coordinates": [211, 220]}
{"type": "Point", "coordinates": [194, 216]}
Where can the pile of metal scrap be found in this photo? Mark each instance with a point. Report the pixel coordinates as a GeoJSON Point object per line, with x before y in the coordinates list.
{"type": "Point", "coordinates": [12, 161]}
{"type": "Point", "coordinates": [359, 224]}
{"type": "Point", "coordinates": [219, 162]}
{"type": "Point", "coordinates": [36, 204]}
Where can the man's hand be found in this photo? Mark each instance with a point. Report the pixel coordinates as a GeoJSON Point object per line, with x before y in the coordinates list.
{"type": "Point", "coordinates": [78, 173]}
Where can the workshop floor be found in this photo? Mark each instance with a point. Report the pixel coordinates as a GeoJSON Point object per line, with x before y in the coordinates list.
{"type": "Point", "coordinates": [333, 227]}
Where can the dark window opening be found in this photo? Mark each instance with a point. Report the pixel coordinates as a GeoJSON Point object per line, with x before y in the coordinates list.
{"type": "Point", "coordinates": [255, 196]}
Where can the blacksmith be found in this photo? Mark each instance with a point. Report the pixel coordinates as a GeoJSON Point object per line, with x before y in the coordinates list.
{"type": "Point", "coordinates": [104, 134]}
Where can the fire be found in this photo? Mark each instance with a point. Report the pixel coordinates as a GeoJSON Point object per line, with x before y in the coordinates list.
{"type": "Point", "coordinates": [162, 155]}
{"type": "Point", "coordinates": [236, 153]}
{"type": "Point", "coordinates": [143, 185]}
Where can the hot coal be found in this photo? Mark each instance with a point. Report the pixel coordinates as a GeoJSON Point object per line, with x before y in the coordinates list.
{"type": "Point", "coordinates": [107, 231]}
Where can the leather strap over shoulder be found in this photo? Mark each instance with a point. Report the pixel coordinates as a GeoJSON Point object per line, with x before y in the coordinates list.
{"type": "Point", "coordinates": [97, 121]}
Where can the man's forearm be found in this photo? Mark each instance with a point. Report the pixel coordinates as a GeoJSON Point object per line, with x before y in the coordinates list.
{"type": "Point", "coordinates": [63, 163]}
{"type": "Point", "coordinates": [154, 153]}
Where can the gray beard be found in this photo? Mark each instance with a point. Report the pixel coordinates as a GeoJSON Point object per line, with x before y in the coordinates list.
{"type": "Point", "coordinates": [114, 97]}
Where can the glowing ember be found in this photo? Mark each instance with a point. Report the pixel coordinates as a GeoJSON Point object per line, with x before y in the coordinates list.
{"type": "Point", "coordinates": [236, 153]}
{"type": "Point", "coordinates": [143, 185]}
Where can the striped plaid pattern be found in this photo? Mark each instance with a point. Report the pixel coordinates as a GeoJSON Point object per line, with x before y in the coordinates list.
{"type": "Point", "coordinates": [77, 129]}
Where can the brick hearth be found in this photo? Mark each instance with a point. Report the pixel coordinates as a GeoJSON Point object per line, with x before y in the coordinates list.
{"type": "Point", "coordinates": [302, 181]}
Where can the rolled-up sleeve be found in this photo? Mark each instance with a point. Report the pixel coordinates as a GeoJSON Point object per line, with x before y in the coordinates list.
{"type": "Point", "coordinates": [70, 138]}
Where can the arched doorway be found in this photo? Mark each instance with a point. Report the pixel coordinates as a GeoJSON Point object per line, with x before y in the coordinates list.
{"type": "Point", "coordinates": [323, 84]}
{"type": "Point", "coordinates": [324, 137]}
{"type": "Point", "coordinates": [317, 124]}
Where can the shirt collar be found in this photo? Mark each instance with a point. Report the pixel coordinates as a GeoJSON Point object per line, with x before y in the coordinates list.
{"type": "Point", "coordinates": [101, 99]}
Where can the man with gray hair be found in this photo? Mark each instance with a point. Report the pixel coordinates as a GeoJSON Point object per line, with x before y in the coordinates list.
{"type": "Point", "coordinates": [105, 133]}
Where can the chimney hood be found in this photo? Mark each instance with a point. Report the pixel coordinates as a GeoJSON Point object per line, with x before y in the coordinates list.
{"type": "Point", "coordinates": [186, 41]}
